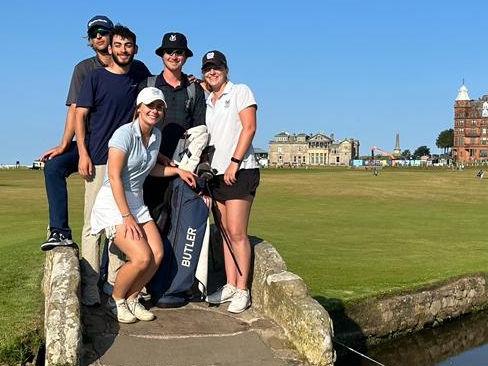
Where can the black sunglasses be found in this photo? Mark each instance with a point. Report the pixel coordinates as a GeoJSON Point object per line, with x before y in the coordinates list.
{"type": "Point", "coordinates": [95, 32]}
{"type": "Point", "coordinates": [212, 67]}
{"type": "Point", "coordinates": [176, 51]}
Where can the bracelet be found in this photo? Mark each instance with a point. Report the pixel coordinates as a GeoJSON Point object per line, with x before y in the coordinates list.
{"type": "Point", "coordinates": [126, 215]}
{"type": "Point", "coordinates": [235, 160]}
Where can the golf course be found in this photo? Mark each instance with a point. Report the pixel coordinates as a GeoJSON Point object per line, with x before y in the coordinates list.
{"type": "Point", "coordinates": [348, 233]}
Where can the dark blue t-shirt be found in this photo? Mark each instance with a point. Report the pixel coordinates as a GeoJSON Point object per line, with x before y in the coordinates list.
{"type": "Point", "coordinates": [111, 99]}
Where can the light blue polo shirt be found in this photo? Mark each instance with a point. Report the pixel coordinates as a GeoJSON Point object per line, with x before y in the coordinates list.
{"type": "Point", "coordinates": [139, 159]}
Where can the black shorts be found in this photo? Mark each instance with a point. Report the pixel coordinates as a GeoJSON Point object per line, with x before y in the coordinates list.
{"type": "Point", "coordinates": [246, 184]}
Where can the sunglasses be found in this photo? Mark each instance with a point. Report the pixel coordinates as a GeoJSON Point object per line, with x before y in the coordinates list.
{"type": "Point", "coordinates": [176, 51]}
{"type": "Point", "coordinates": [212, 67]}
{"type": "Point", "coordinates": [95, 32]}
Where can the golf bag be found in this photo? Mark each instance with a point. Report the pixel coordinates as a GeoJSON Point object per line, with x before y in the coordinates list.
{"type": "Point", "coordinates": [185, 239]}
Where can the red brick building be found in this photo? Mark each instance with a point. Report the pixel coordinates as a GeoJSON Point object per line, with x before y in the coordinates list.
{"type": "Point", "coordinates": [470, 127]}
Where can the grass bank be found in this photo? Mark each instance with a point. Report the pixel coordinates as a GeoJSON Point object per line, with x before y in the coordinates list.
{"type": "Point", "coordinates": [348, 234]}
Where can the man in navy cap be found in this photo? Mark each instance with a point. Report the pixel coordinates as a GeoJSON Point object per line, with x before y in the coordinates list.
{"type": "Point", "coordinates": [62, 160]}
{"type": "Point", "coordinates": [99, 22]}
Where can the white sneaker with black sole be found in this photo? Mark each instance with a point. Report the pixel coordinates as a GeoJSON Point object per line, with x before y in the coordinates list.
{"type": "Point", "coordinates": [240, 301]}
{"type": "Point", "coordinates": [223, 294]}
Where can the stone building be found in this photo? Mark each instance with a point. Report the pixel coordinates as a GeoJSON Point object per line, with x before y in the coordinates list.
{"type": "Point", "coordinates": [301, 149]}
{"type": "Point", "coordinates": [470, 127]}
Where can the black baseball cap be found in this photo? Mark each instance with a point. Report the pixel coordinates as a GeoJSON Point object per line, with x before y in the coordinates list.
{"type": "Point", "coordinates": [214, 57]}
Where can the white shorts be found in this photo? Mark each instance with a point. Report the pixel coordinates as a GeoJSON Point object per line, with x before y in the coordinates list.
{"type": "Point", "coordinates": [106, 215]}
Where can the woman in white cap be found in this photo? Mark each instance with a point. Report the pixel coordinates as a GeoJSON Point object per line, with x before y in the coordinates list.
{"type": "Point", "coordinates": [231, 122]}
{"type": "Point", "coordinates": [119, 208]}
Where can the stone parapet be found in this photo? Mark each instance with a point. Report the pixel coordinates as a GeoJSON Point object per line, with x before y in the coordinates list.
{"type": "Point", "coordinates": [283, 297]}
{"type": "Point", "coordinates": [62, 324]}
{"type": "Point", "coordinates": [401, 314]}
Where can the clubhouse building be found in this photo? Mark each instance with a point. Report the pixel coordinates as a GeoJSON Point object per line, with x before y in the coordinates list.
{"type": "Point", "coordinates": [296, 150]}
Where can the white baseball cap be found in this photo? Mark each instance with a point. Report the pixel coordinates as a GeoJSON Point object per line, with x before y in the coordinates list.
{"type": "Point", "coordinates": [149, 95]}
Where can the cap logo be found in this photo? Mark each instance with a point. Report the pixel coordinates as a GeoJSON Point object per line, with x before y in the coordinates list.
{"type": "Point", "coordinates": [210, 55]}
{"type": "Point", "coordinates": [172, 38]}
{"type": "Point", "coordinates": [96, 21]}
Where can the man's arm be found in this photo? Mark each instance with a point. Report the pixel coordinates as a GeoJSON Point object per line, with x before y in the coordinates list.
{"type": "Point", "coordinates": [68, 134]}
{"type": "Point", "coordinates": [200, 106]}
{"type": "Point", "coordinates": [85, 165]}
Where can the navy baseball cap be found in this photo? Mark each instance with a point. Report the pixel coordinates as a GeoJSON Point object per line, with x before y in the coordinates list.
{"type": "Point", "coordinates": [99, 21]}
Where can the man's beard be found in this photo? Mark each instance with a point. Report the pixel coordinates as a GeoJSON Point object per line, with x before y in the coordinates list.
{"type": "Point", "coordinates": [122, 63]}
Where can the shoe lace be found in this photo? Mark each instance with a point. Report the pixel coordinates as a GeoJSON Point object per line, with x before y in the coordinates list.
{"type": "Point", "coordinates": [227, 287]}
{"type": "Point", "coordinates": [241, 294]}
{"type": "Point", "coordinates": [134, 305]}
{"type": "Point", "coordinates": [54, 237]}
{"type": "Point", "coordinates": [124, 306]}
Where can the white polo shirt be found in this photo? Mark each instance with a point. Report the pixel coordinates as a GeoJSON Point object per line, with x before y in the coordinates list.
{"type": "Point", "coordinates": [224, 126]}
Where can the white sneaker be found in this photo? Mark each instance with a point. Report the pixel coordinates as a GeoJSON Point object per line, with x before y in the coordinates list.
{"type": "Point", "coordinates": [223, 294]}
{"type": "Point", "coordinates": [240, 301]}
{"type": "Point", "coordinates": [139, 310]}
{"type": "Point", "coordinates": [119, 311]}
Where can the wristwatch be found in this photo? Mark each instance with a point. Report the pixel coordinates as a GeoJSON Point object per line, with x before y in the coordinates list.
{"type": "Point", "coordinates": [235, 160]}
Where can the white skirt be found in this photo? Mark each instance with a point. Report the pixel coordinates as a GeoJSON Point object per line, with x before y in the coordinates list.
{"type": "Point", "coordinates": [106, 216]}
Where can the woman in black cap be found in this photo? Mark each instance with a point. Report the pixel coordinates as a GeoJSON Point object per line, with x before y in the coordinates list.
{"type": "Point", "coordinates": [231, 122]}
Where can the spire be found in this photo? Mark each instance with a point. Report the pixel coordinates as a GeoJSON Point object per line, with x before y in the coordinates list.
{"type": "Point", "coordinates": [397, 151]}
{"type": "Point", "coordinates": [463, 93]}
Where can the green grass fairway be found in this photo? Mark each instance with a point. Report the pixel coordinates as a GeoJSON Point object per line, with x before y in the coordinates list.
{"type": "Point", "coordinates": [23, 223]}
{"type": "Point", "coordinates": [348, 234]}
{"type": "Point", "coordinates": [351, 235]}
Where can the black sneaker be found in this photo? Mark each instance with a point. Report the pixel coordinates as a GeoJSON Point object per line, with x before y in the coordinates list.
{"type": "Point", "coordinates": [56, 240]}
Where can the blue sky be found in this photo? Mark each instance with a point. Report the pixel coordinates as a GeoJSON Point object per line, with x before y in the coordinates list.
{"type": "Point", "coordinates": [352, 68]}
